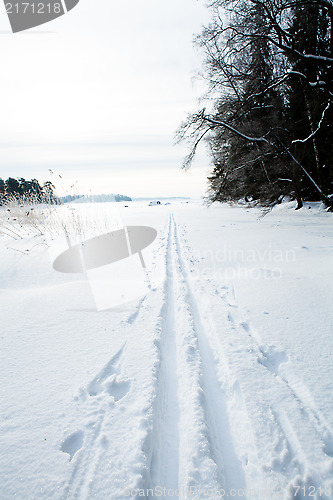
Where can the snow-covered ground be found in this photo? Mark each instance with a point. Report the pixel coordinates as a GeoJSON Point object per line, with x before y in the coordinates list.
{"type": "Point", "coordinates": [217, 382]}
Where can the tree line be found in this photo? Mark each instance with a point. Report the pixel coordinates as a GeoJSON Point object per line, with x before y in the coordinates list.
{"type": "Point", "coordinates": [94, 198]}
{"type": "Point", "coordinates": [268, 123]}
{"type": "Point", "coordinates": [20, 189]}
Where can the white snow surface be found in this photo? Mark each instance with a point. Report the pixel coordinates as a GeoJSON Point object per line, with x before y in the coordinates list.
{"type": "Point", "coordinates": [216, 383]}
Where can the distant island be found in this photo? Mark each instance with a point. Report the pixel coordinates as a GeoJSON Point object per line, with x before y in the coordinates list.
{"type": "Point", "coordinates": [149, 198]}
{"type": "Point", "coordinates": [94, 198]}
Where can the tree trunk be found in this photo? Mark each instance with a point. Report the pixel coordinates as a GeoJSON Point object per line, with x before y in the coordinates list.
{"type": "Point", "coordinates": [312, 129]}
{"type": "Point", "coordinates": [297, 193]}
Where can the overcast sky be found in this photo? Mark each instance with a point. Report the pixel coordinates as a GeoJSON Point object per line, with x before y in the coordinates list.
{"type": "Point", "coordinates": [97, 95]}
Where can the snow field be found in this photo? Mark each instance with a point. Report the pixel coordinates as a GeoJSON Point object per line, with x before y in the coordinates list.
{"type": "Point", "coordinates": [191, 387]}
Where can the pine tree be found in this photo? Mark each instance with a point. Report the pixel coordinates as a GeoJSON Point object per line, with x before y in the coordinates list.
{"type": "Point", "coordinates": [308, 98]}
{"type": "Point", "coordinates": [269, 69]}
{"type": "Point", "coordinates": [245, 167]}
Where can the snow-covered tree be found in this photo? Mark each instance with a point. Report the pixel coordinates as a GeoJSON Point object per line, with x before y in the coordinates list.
{"type": "Point", "coordinates": [265, 80]}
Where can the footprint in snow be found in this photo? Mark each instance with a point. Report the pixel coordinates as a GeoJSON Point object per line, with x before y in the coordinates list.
{"type": "Point", "coordinates": [112, 368]}
{"type": "Point", "coordinates": [118, 389]}
{"type": "Point", "coordinates": [328, 445]}
{"type": "Point", "coordinates": [108, 379]}
{"type": "Point", "coordinates": [272, 358]}
{"type": "Point", "coordinates": [246, 327]}
{"type": "Point", "coordinates": [72, 443]}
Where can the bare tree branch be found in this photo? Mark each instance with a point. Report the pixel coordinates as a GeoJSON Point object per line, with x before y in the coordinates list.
{"type": "Point", "coordinates": [235, 131]}
{"type": "Point", "coordinates": [318, 127]}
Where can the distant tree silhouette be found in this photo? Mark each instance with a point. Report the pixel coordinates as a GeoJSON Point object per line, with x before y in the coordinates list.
{"type": "Point", "coordinates": [94, 198]}
{"type": "Point", "coordinates": [21, 189]}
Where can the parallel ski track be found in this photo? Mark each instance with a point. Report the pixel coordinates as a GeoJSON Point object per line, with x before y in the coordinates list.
{"type": "Point", "coordinates": [295, 467]}
{"type": "Point", "coordinates": [165, 454]}
{"type": "Point", "coordinates": [191, 439]}
{"type": "Point", "coordinates": [220, 437]}
{"type": "Point", "coordinates": [193, 443]}
{"type": "Point", "coordinates": [86, 463]}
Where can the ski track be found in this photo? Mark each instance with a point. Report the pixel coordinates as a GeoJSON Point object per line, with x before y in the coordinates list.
{"type": "Point", "coordinates": [93, 442]}
{"type": "Point", "coordinates": [221, 441]}
{"type": "Point", "coordinates": [191, 430]}
{"type": "Point", "coordinates": [165, 454]}
{"type": "Point", "coordinates": [199, 401]}
{"type": "Point", "coordinates": [272, 359]}
{"type": "Point", "coordinates": [288, 457]}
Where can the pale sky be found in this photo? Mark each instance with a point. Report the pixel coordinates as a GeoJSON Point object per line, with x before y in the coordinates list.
{"type": "Point", "coordinates": [97, 95]}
